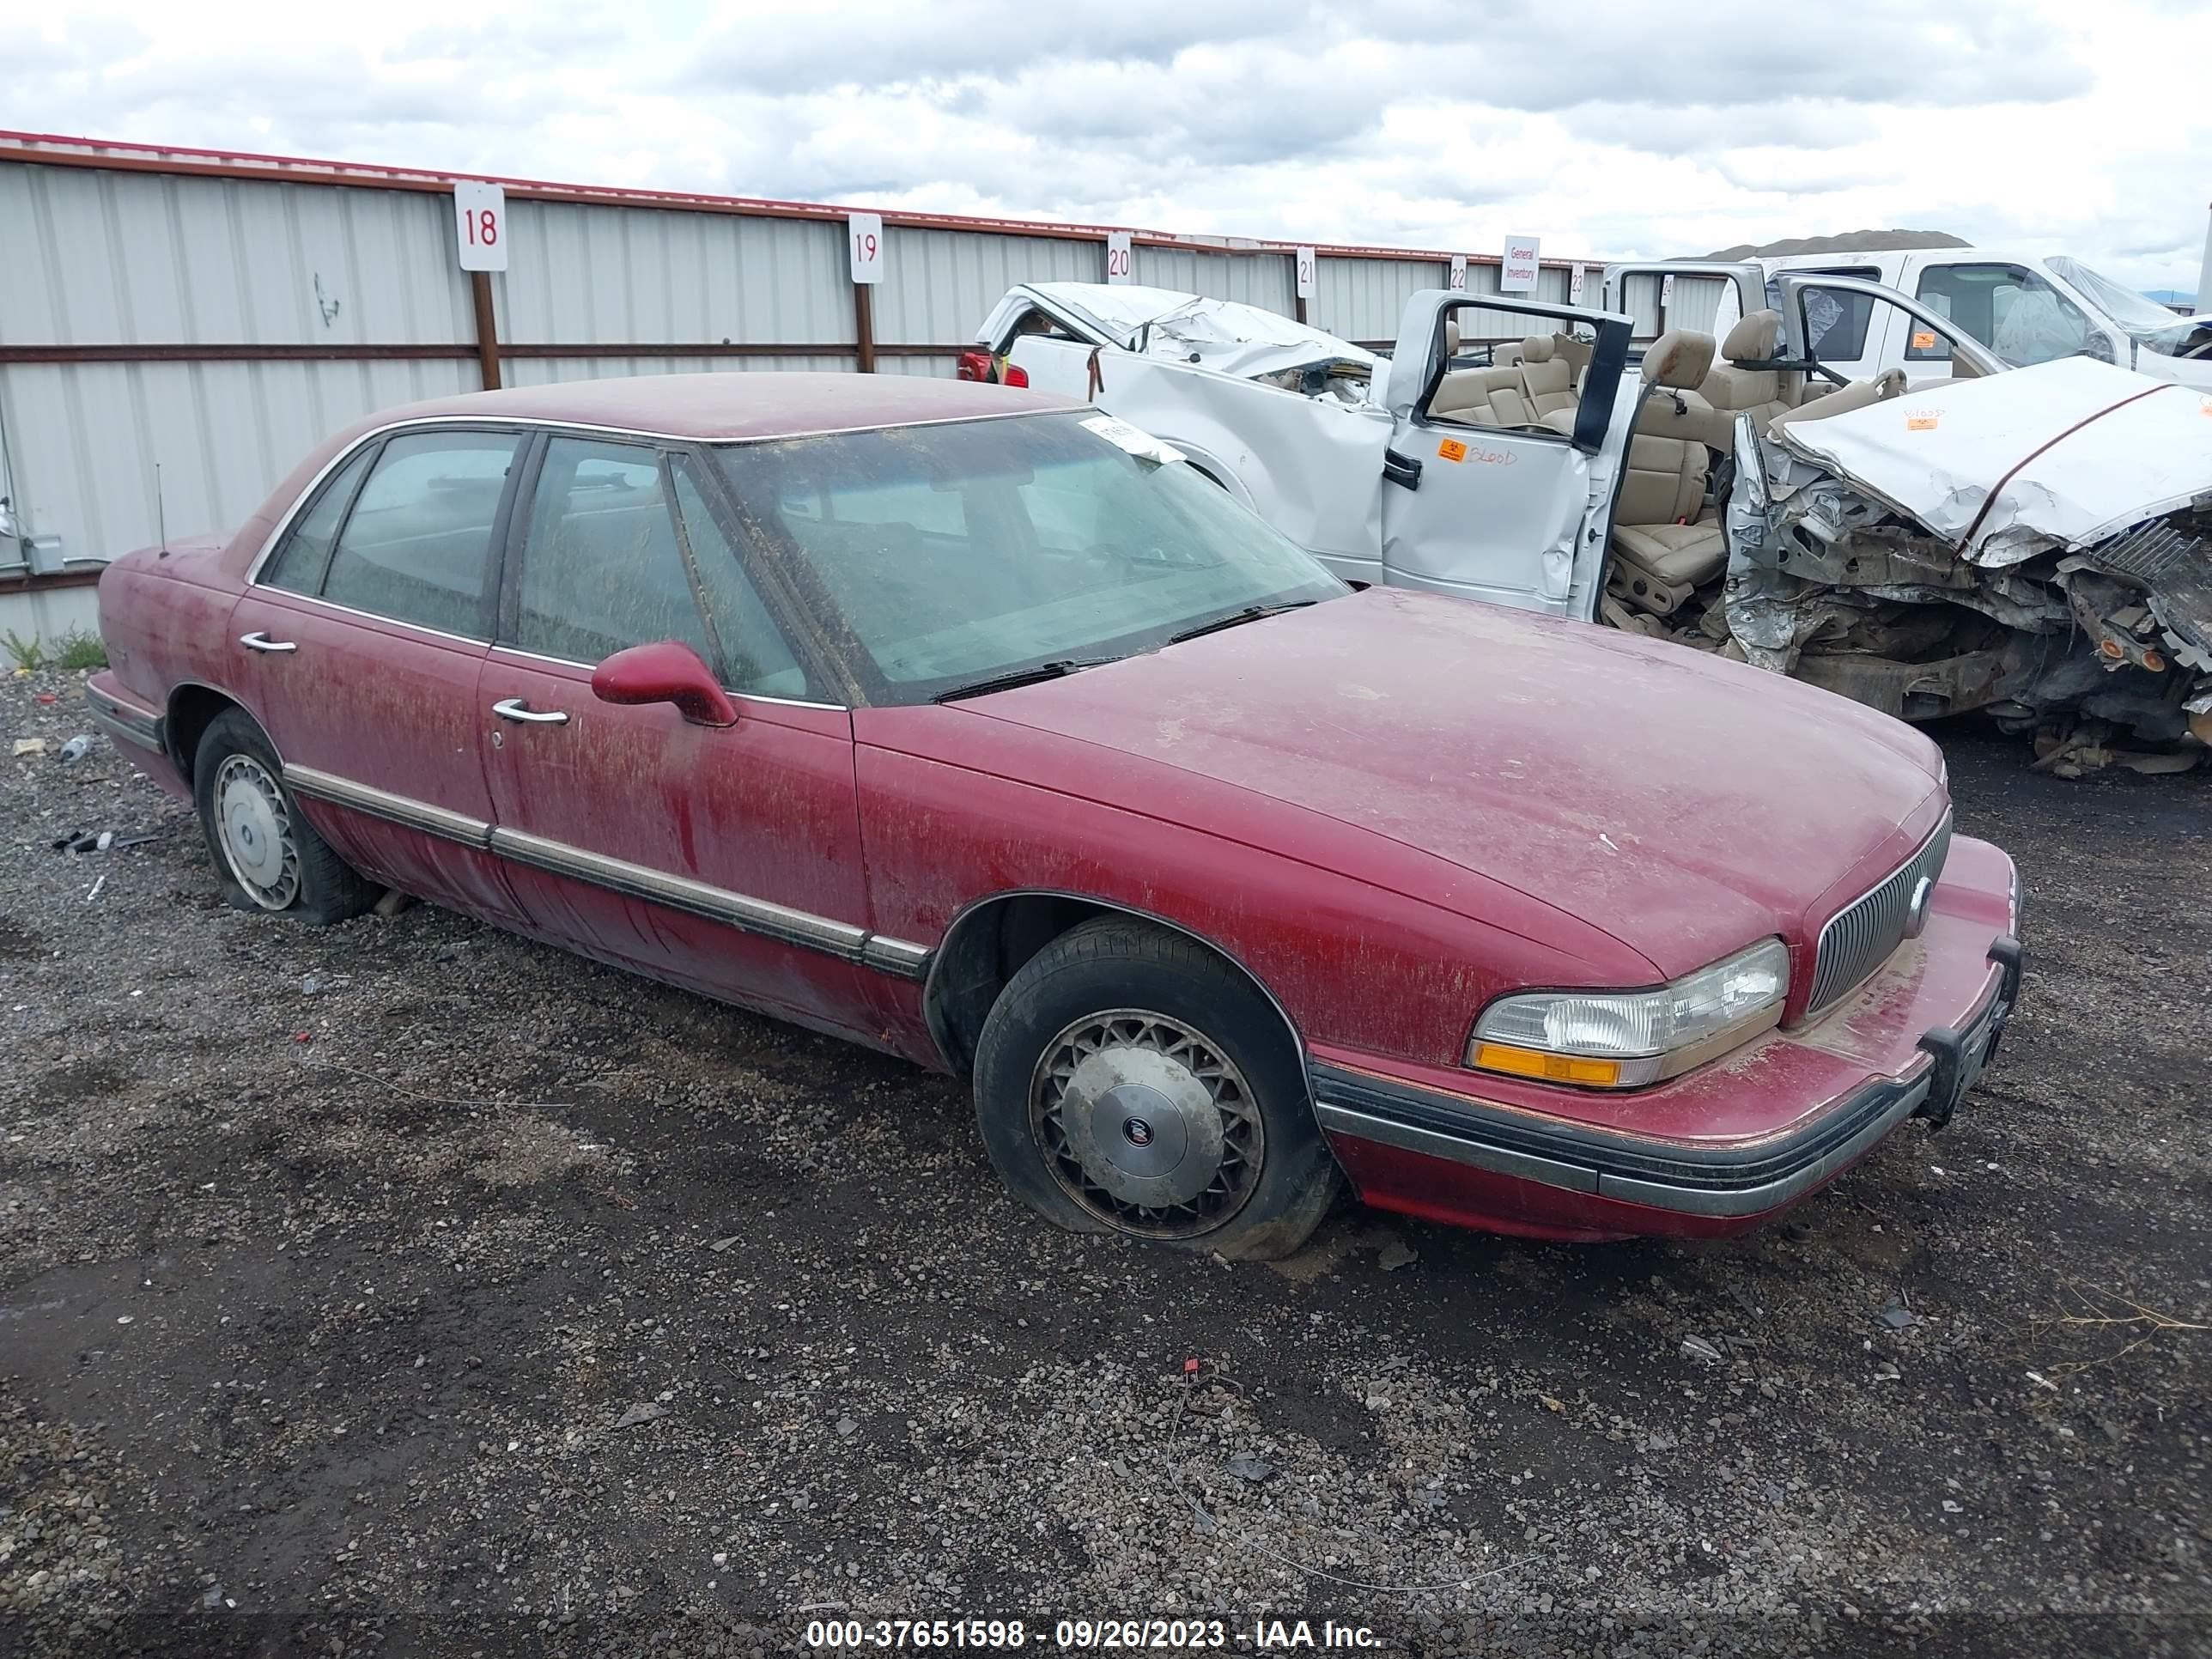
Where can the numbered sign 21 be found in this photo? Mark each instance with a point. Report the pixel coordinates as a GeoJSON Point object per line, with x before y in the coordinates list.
{"type": "Point", "coordinates": [480, 226]}
{"type": "Point", "coordinates": [864, 234]}
{"type": "Point", "coordinates": [1306, 273]}
{"type": "Point", "coordinates": [1120, 258]}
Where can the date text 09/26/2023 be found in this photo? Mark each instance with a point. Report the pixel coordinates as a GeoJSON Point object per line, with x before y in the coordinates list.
{"type": "Point", "coordinates": [1088, 1635]}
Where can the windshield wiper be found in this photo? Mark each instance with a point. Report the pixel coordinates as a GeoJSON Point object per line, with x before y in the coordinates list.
{"type": "Point", "coordinates": [1250, 613]}
{"type": "Point", "coordinates": [1029, 676]}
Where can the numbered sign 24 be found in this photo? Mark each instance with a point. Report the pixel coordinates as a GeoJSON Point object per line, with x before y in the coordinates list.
{"type": "Point", "coordinates": [480, 226]}
{"type": "Point", "coordinates": [864, 234]}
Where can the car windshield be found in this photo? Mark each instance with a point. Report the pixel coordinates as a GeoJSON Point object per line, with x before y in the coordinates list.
{"type": "Point", "coordinates": [2142, 317]}
{"type": "Point", "coordinates": [951, 554]}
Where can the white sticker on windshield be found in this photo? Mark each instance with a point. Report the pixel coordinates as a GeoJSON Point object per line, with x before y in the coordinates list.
{"type": "Point", "coordinates": [1138, 441]}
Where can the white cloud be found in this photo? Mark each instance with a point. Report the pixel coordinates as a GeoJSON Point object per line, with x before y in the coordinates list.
{"type": "Point", "coordinates": [1609, 127]}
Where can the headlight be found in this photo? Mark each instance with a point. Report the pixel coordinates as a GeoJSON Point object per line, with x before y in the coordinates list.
{"type": "Point", "coordinates": [1617, 1039]}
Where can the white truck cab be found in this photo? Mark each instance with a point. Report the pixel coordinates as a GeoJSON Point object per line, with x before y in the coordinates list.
{"type": "Point", "coordinates": [2027, 308]}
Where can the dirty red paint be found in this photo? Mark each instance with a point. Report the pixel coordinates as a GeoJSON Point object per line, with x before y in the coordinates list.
{"type": "Point", "coordinates": [1388, 808]}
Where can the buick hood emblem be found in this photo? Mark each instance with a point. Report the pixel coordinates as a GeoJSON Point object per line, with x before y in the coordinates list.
{"type": "Point", "coordinates": [1916, 911]}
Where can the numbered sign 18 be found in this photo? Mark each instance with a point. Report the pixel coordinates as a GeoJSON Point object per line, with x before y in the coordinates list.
{"type": "Point", "coordinates": [1120, 258]}
{"type": "Point", "coordinates": [864, 234]}
{"type": "Point", "coordinates": [1306, 273]}
{"type": "Point", "coordinates": [480, 226]}
{"type": "Point", "coordinates": [1458, 282]}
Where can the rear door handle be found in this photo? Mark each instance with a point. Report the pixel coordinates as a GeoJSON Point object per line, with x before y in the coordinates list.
{"type": "Point", "coordinates": [258, 640]}
{"type": "Point", "coordinates": [513, 708]}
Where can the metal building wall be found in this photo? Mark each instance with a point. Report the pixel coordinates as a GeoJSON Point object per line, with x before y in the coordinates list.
{"type": "Point", "coordinates": [204, 320]}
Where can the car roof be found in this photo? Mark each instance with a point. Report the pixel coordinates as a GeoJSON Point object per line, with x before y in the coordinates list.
{"type": "Point", "coordinates": [728, 407]}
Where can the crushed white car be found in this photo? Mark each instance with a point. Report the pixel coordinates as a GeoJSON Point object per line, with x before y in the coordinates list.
{"type": "Point", "coordinates": [1737, 496]}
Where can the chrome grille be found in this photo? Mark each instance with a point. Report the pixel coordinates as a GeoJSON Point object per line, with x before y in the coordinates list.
{"type": "Point", "coordinates": [1862, 934]}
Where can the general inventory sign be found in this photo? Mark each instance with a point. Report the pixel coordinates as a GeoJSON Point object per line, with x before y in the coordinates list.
{"type": "Point", "coordinates": [1517, 274]}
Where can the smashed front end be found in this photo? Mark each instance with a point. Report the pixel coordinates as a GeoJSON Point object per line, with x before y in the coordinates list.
{"type": "Point", "coordinates": [2038, 545]}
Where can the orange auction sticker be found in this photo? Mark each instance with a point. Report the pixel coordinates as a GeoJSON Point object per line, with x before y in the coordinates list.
{"type": "Point", "coordinates": [1923, 341]}
{"type": "Point", "coordinates": [1920, 423]}
{"type": "Point", "coordinates": [1452, 450]}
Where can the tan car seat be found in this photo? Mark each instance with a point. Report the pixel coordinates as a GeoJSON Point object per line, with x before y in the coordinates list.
{"type": "Point", "coordinates": [1744, 382]}
{"type": "Point", "coordinates": [1859, 394]}
{"type": "Point", "coordinates": [1481, 397]}
{"type": "Point", "coordinates": [1547, 379]}
{"type": "Point", "coordinates": [1664, 543]}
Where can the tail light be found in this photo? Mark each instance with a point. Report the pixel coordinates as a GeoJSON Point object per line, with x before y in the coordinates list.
{"type": "Point", "coordinates": [1015, 375]}
{"type": "Point", "coordinates": [974, 366]}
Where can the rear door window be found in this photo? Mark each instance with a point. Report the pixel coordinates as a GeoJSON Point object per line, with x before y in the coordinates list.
{"type": "Point", "coordinates": [1835, 324]}
{"type": "Point", "coordinates": [417, 545]}
{"type": "Point", "coordinates": [299, 563]}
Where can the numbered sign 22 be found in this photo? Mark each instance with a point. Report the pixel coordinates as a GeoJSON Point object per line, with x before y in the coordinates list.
{"type": "Point", "coordinates": [1306, 273]}
{"type": "Point", "coordinates": [1120, 258]}
{"type": "Point", "coordinates": [1457, 284]}
{"type": "Point", "coordinates": [480, 226]}
{"type": "Point", "coordinates": [864, 238]}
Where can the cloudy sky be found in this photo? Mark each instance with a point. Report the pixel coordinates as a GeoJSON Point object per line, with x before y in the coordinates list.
{"type": "Point", "coordinates": [1608, 127]}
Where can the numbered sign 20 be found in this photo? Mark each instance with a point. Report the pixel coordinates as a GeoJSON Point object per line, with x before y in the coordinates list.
{"type": "Point", "coordinates": [1458, 282]}
{"type": "Point", "coordinates": [1120, 258]}
{"type": "Point", "coordinates": [864, 234]}
{"type": "Point", "coordinates": [480, 226]}
{"type": "Point", "coordinates": [1306, 263]}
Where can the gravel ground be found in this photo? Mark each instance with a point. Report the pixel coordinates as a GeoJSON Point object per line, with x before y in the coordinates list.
{"type": "Point", "coordinates": [406, 1286]}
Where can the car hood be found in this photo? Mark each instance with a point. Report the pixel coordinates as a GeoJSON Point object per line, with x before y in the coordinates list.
{"type": "Point", "coordinates": [2061, 454]}
{"type": "Point", "coordinates": [1685, 804]}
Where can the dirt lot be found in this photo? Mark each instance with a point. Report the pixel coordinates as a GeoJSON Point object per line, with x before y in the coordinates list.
{"type": "Point", "coordinates": [405, 1286]}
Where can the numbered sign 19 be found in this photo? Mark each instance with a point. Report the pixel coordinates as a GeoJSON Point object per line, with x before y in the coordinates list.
{"type": "Point", "coordinates": [864, 234]}
{"type": "Point", "coordinates": [1120, 258]}
{"type": "Point", "coordinates": [1306, 273]}
{"type": "Point", "coordinates": [480, 226]}
{"type": "Point", "coordinates": [1457, 284]}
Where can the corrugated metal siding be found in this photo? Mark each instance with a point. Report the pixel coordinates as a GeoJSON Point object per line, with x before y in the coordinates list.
{"type": "Point", "coordinates": [1263, 279]}
{"type": "Point", "coordinates": [84, 439]}
{"type": "Point", "coordinates": [604, 276]}
{"type": "Point", "coordinates": [1362, 299]}
{"type": "Point", "coordinates": [939, 284]}
{"type": "Point", "coordinates": [135, 258]}
{"type": "Point", "coordinates": [547, 371]}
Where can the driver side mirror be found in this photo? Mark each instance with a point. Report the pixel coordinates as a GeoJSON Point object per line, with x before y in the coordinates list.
{"type": "Point", "coordinates": [666, 670]}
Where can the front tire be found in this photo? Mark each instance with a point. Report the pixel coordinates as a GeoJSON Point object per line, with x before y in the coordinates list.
{"type": "Point", "coordinates": [267, 856]}
{"type": "Point", "coordinates": [1129, 1080]}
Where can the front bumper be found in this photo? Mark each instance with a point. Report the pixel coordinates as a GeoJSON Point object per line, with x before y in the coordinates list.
{"type": "Point", "coordinates": [1720, 1181]}
{"type": "Point", "coordinates": [1719, 1150]}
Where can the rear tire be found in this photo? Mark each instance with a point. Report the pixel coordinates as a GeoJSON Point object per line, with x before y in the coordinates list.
{"type": "Point", "coordinates": [267, 857]}
{"type": "Point", "coordinates": [1129, 1080]}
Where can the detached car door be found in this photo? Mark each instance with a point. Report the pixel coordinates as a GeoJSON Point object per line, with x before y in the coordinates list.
{"type": "Point", "coordinates": [358, 642]}
{"type": "Point", "coordinates": [1494, 503]}
{"type": "Point", "coordinates": [726, 858]}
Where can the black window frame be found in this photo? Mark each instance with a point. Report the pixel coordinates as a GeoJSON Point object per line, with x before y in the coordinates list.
{"type": "Point", "coordinates": [804, 642]}
{"type": "Point", "coordinates": [496, 544]}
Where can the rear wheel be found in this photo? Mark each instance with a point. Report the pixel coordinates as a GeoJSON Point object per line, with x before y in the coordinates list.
{"type": "Point", "coordinates": [267, 856]}
{"type": "Point", "coordinates": [1129, 1080]}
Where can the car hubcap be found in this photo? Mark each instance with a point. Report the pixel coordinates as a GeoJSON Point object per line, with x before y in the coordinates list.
{"type": "Point", "coordinates": [1146, 1124]}
{"type": "Point", "coordinates": [255, 829]}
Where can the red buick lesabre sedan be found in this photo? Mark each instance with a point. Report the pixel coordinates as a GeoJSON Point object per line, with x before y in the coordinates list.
{"type": "Point", "coordinates": [978, 727]}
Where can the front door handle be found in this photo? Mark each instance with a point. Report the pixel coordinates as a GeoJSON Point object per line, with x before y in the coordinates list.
{"type": "Point", "coordinates": [513, 708]}
{"type": "Point", "coordinates": [258, 640]}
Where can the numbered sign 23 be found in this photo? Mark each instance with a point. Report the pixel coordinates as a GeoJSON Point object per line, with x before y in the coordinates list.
{"type": "Point", "coordinates": [863, 237]}
{"type": "Point", "coordinates": [480, 226]}
{"type": "Point", "coordinates": [1121, 259]}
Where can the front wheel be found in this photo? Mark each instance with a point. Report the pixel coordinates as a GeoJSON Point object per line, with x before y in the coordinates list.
{"type": "Point", "coordinates": [1129, 1080]}
{"type": "Point", "coordinates": [267, 857]}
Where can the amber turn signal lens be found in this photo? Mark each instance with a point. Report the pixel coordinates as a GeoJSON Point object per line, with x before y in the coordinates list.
{"type": "Point", "coordinates": [1552, 1068]}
